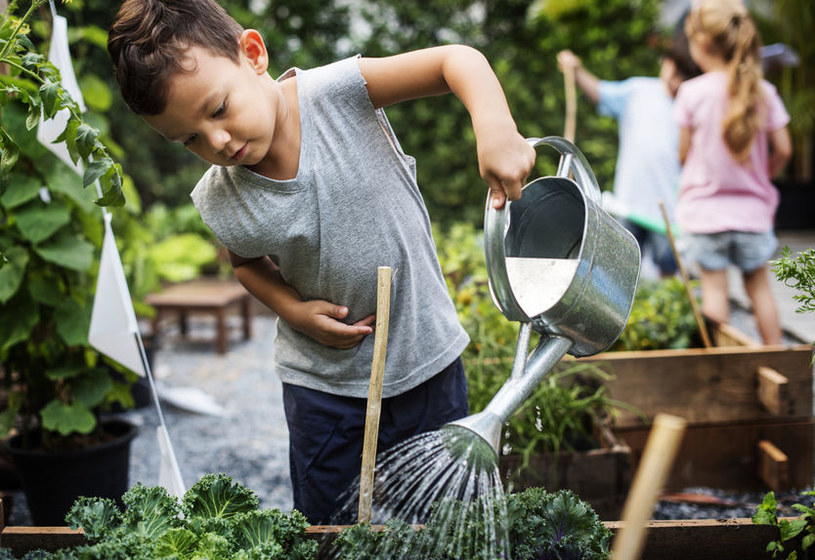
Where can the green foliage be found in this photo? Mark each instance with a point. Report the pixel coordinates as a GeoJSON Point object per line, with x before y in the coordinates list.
{"type": "Point", "coordinates": [794, 536]}
{"type": "Point", "coordinates": [661, 318]}
{"type": "Point", "coordinates": [541, 525]}
{"type": "Point", "coordinates": [559, 525]}
{"type": "Point", "coordinates": [49, 235]}
{"type": "Point", "coordinates": [216, 518]}
{"type": "Point", "coordinates": [798, 272]}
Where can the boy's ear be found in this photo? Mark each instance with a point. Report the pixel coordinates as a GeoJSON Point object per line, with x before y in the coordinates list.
{"type": "Point", "coordinates": [254, 49]}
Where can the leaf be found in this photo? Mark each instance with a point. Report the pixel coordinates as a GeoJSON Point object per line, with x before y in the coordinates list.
{"type": "Point", "coordinates": [37, 222]}
{"type": "Point", "coordinates": [21, 189]}
{"type": "Point", "coordinates": [92, 389]}
{"type": "Point", "coordinates": [44, 288]}
{"type": "Point", "coordinates": [95, 170]}
{"type": "Point", "coordinates": [72, 322]}
{"type": "Point", "coordinates": [96, 93]}
{"type": "Point", "coordinates": [11, 152]}
{"type": "Point", "coordinates": [69, 251]}
{"type": "Point", "coordinates": [12, 274]}
{"type": "Point", "coordinates": [791, 529]}
{"type": "Point", "coordinates": [67, 418]}
{"type": "Point", "coordinates": [50, 93]}
{"type": "Point", "coordinates": [34, 117]}
{"type": "Point", "coordinates": [17, 319]}
{"type": "Point", "coordinates": [86, 139]}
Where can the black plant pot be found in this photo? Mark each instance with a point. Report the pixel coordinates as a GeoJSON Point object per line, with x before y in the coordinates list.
{"type": "Point", "coordinates": [53, 481]}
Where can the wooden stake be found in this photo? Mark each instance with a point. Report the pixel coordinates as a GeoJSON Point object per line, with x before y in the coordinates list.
{"type": "Point", "coordinates": [571, 104]}
{"type": "Point", "coordinates": [366, 476]}
{"type": "Point", "coordinates": [685, 280]}
{"type": "Point", "coordinates": [657, 458]}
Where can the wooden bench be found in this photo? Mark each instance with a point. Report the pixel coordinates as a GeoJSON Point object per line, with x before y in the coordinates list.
{"type": "Point", "coordinates": [212, 297]}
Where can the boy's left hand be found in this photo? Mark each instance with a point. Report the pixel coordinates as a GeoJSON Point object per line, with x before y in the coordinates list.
{"type": "Point", "coordinates": [505, 159]}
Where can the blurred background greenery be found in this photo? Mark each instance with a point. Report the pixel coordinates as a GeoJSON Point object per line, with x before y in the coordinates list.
{"type": "Point", "coordinates": [615, 38]}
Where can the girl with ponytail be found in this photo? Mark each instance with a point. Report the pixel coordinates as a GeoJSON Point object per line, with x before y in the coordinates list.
{"type": "Point", "coordinates": [733, 140]}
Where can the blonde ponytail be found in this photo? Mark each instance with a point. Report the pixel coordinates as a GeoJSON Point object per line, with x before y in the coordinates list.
{"type": "Point", "coordinates": [732, 35]}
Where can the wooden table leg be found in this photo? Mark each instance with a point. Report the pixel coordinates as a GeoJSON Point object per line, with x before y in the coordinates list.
{"type": "Point", "coordinates": [246, 311]}
{"type": "Point", "coordinates": [182, 323]}
{"type": "Point", "coordinates": [221, 335]}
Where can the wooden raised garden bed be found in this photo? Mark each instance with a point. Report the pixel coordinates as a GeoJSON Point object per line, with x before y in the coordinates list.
{"type": "Point", "coordinates": [748, 407]}
{"type": "Point", "coordinates": [702, 539]}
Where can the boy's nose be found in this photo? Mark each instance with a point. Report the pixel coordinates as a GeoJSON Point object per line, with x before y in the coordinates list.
{"type": "Point", "coordinates": [218, 139]}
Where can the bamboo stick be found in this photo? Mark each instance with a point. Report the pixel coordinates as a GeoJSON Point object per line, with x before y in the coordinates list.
{"type": "Point", "coordinates": [657, 458]}
{"type": "Point", "coordinates": [685, 280]}
{"type": "Point", "coordinates": [571, 104]}
{"type": "Point", "coordinates": [366, 477]}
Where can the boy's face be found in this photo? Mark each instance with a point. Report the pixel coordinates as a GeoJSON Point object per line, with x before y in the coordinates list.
{"type": "Point", "coordinates": [221, 111]}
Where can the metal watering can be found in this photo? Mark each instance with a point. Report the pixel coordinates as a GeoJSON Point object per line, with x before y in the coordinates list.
{"type": "Point", "coordinates": [560, 265]}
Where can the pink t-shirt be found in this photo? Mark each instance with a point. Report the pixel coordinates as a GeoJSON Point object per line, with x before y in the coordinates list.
{"type": "Point", "coordinates": [716, 193]}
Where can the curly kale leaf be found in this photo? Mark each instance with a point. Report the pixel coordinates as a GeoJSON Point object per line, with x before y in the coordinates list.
{"type": "Point", "coordinates": [556, 526]}
{"type": "Point", "coordinates": [150, 511]}
{"type": "Point", "coordinates": [97, 517]}
{"type": "Point", "coordinates": [218, 497]}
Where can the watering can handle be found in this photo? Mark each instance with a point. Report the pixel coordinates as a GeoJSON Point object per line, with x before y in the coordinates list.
{"type": "Point", "coordinates": [496, 223]}
{"type": "Point", "coordinates": [572, 159]}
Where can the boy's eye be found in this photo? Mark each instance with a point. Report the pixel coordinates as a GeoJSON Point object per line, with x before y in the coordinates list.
{"type": "Point", "coordinates": [220, 110]}
{"type": "Point", "coordinates": [189, 140]}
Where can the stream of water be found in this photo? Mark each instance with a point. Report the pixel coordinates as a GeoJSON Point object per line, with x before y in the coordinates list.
{"type": "Point", "coordinates": [450, 478]}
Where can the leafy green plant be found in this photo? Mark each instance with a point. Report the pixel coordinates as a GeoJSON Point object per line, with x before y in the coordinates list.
{"type": "Point", "coordinates": [661, 318]}
{"type": "Point", "coordinates": [50, 229]}
{"type": "Point", "coordinates": [794, 535]}
{"type": "Point", "coordinates": [216, 518]}
{"type": "Point", "coordinates": [798, 272]}
{"type": "Point", "coordinates": [541, 526]}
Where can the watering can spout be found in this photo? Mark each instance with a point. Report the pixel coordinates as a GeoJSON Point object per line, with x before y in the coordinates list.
{"type": "Point", "coordinates": [515, 391]}
{"type": "Point", "coordinates": [484, 424]}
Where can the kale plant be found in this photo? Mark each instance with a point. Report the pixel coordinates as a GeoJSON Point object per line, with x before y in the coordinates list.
{"type": "Point", "coordinates": [216, 518]}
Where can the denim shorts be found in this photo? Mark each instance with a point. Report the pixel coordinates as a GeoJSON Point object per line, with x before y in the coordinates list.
{"type": "Point", "coordinates": [748, 251]}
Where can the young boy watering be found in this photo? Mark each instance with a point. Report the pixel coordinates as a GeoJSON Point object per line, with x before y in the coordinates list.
{"type": "Point", "coordinates": [310, 192]}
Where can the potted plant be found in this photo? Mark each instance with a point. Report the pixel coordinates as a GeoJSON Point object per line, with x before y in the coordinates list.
{"type": "Point", "coordinates": [56, 386]}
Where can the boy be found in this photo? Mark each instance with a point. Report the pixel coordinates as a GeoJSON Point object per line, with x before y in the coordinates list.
{"type": "Point", "coordinates": [310, 192]}
{"type": "Point", "coordinates": [647, 167]}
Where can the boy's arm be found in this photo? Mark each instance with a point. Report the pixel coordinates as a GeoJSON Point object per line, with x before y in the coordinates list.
{"type": "Point", "coordinates": [586, 81]}
{"type": "Point", "coordinates": [504, 157]}
{"type": "Point", "coordinates": [319, 319]}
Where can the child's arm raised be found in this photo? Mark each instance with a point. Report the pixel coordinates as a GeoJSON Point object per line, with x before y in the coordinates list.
{"type": "Point", "coordinates": [321, 320]}
{"type": "Point", "coordinates": [504, 157]}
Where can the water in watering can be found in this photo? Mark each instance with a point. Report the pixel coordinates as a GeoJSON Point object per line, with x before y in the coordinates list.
{"type": "Point", "coordinates": [539, 283]}
{"type": "Point", "coordinates": [448, 479]}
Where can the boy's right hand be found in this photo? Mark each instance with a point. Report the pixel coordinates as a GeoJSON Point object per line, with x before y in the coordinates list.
{"type": "Point", "coordinates": [322, 321]}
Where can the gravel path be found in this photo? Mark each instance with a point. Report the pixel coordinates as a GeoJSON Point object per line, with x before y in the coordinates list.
{"type": "Point", "coordinates": [250, 441]}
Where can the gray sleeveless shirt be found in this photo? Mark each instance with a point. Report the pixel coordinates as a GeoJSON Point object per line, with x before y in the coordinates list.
{"type": "Point", "coordinates": [353, 206]}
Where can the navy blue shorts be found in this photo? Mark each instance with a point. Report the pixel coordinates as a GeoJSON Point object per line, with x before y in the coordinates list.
{"type": "Point", "coordinates": [326, 433]}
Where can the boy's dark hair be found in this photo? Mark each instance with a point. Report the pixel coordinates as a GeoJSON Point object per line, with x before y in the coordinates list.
{"type": "Point", "coordinates": [679, 51]}
{"type": "Point", "coordinates": [148, 39]}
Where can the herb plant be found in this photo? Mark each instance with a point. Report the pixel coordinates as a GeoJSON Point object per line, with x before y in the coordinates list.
{"type": "Point", "coordinates": [798, 272]}
{"type": "Point", "coordinates": [794, 535]}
